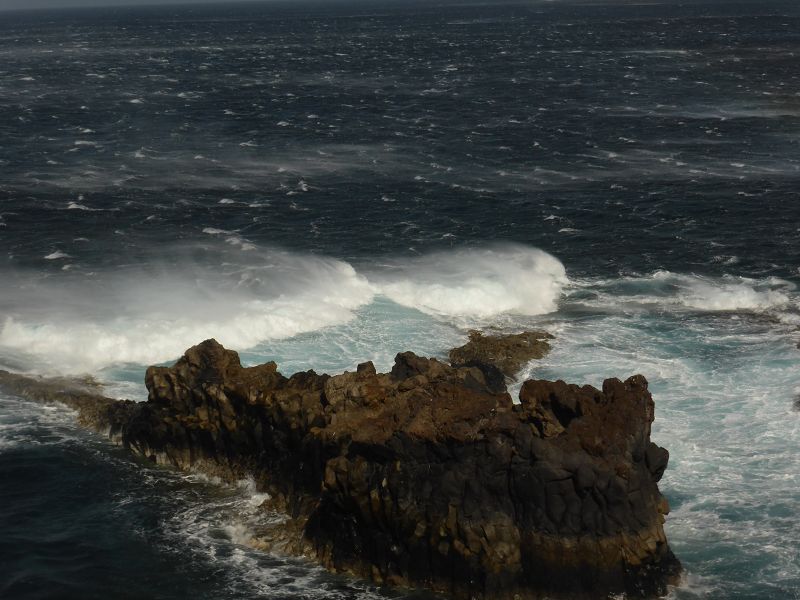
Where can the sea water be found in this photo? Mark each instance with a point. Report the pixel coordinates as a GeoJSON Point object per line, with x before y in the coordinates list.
{"type": "Point", "coordinates": [321, 185]}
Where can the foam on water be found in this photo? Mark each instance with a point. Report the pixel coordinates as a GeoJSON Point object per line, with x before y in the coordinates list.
{"type": "Point", "coordinates": [724, 382]}
{"type": "Point", "coordinates": [152, 317]}
{"type": "Point", "coordinates": [378, 332]}
{"type": "Point", "coordinates": [56, 255]}
{"type": "Point", "coordinates": [229, 529]}
{"type": "Point", "coordinates": [664, 290]}
{"type": "Point", "coordinates": [476, 283]}
{"type": "Point", "coordinates": [24, 424]}
{"type": "Point", "coordinates": [724, 385]}
{"type": "Point", "coordinates": [147, 317]}
{"type": "Point", "coordinates": [156, 518]}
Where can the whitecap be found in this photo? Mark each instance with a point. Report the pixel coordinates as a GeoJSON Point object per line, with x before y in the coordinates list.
{"type": "Point", "coordinates": [153, 317]}
{"type": "Point", "coordinates": [149, 318]}
{"type": "Point", "coordinates": [215, 231]}
{"type": "Point", "coordinates": [665, 290]}
{"type": "Point", "coordinates": [244, 244]}
{"type": "Point", "coordinates": [477, 284]}
{"type": "Point", "coordinates": [731, 294]}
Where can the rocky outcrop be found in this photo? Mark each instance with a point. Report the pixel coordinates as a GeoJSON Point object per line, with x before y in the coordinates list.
{"type": "Point", "coordinates": [426, 476]}
{"type": "Point", "coordinates": [95, 411]}
{"type": "Point", "coordinates": [502, 355]}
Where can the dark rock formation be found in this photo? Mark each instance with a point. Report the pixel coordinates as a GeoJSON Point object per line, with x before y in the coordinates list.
{"type": "Point", "coordinates": [96, 412]}
{"type": "Point", "coordinates": [424, 476]}
{"type": "Point", "coordinates": [500, 356]}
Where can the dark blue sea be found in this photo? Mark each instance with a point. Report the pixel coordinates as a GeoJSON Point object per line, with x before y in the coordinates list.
{"type": "Point", "coordinates": [324, 184]}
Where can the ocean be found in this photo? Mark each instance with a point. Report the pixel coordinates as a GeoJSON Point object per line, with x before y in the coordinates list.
{"type": "Point", "coordinates": [324, 184]}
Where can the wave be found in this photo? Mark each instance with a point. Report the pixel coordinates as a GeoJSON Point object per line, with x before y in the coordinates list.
{"type": "Point", "coordinates": [79, 323]}
{"type": "Point", "coordinates": [83, 323]}
{"type": "Point", "coordinates": [722, 367]}
{"type": "Point", "coordinates": [664, 290]}
{"type": "Point", "coordinates": [735, 294]}
{"type": "Point", "coordinates": [75, 326]}
{"type": "Point", "coordinates": [25, 424]}
{"type": "Point", "coordinates": [480, 283]}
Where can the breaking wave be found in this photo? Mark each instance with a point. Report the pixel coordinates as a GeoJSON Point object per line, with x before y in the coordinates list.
{"type": "Point", "coordinates": [477, 283]}
{"type": "Point", "coordinates": [664, 290]}
{"type": "Point", "coordinates": [84, 323]}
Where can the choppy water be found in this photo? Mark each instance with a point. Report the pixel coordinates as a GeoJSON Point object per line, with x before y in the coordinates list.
{"type": "Point", "coordinates": [322, 185]}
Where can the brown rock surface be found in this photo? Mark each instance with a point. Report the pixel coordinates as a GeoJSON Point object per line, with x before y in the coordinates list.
{"type": "Point", "coordinates": [508, 353]}
{"type": "Point", "coordinates": [424, 476]}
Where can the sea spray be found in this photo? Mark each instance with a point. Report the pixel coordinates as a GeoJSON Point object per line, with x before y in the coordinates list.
{"type": "Point", "coordinates": [477, 283]}
{"type": "Point", "coordinates": [146, 318]}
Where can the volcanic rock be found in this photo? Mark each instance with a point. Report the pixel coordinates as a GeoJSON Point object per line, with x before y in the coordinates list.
{"type": "Point", "coordinates": [500, 356]}
{"type": "Point", "coordinates": [425, 476]}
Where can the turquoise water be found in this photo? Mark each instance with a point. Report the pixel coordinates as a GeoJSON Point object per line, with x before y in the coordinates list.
{"type": "Point", "coordinates": [324, 185]}
{"type": "Point", "coordinates": [724, 384]}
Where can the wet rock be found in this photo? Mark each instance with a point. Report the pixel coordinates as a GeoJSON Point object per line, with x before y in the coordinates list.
{"type": "Point", "coordinates": [425, 476]}
{"type": "Point", "coordinates": [500, 356]}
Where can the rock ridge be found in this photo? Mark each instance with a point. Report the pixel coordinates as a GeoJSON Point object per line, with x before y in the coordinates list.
{"type": "Point", "coordinates": [500, 355]}
{"type": "Point", "coordinates": [426, 476]}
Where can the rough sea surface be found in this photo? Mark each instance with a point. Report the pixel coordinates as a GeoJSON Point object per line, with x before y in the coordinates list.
{"type": "Point", "coordinates": [323, 184]}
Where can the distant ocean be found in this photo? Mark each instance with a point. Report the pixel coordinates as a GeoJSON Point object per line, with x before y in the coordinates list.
{"type": "Point", "coordinates": [324, 184]}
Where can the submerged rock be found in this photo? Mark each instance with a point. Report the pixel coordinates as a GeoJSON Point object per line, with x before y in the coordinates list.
{"type": "Point", "coordinates": [502, 355]}
{"type": "Point", "coordinates": [425, 476]}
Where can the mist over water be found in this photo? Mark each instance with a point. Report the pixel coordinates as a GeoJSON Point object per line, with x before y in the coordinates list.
{"type": "Point", "coordinates": [72, 325]}
{"type": "Point", "coordinates": [324, 187]}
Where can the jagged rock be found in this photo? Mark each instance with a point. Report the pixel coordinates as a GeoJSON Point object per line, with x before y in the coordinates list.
{"type": "Point", "coordinates": [425, 476]}
{"type": "Point", "coordinates": [500, 356]}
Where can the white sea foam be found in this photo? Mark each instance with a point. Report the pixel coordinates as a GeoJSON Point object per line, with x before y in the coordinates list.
{"type": "Point", "coordinates": [724, 387]}
{"type": "Point", "coordinates": [734, 294]}
{"type": "Point", "coordinates": [56, 255]}
{"type": "Point", "coordinates": [224, 526]}
{"type": "Point", "coordinates": [664, 290]}
{"type": "Point", "coordinates": [478, 283]}
{"type": "Point", "coordinates": [145, 317]}
{"type": "Point", "coordinates": [22, 424]}
{"type": "Point", "coordinates": [79, 206]}
{"type": "Point", "coordinates": [231, 237]}
{"type": "Point", "coordinates": [257, 296]}
{"type": "Point", "coordinates": [215, 231]}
